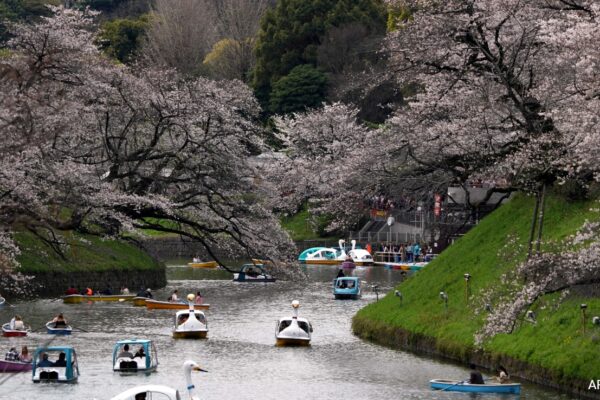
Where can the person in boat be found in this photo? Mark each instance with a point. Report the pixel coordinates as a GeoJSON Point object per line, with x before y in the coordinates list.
{"type": "Point", "coordinates": [45, 362]}
{"type": "Point", "coordinates": [71, 290]}
{"type": "Point", "coordinates": [124, 290]}
{"type": "Point", "coordinates": [140, 353]}
{"type": "Point", "coordinates": [199, 299]}
{"type": "Point", "coordinates": [87, 292]}
{"type": "Point", "coordinates": [16, 323]}
{"type": "Point", "coordinates": [25, 356]}
{"type": "Point", "coordinates": [174, 298]}
{"type": "Point", "coordinates": [59, 321]}
{"type": "Point", "coordinates": [348, 263]}
{"type": "Point", "coordinates": [475, 376]}
{"type": "Point", "coordinates": [340, 274]}
{"type": "Point", "coordinates": [108, 291]}
{"type": "Point", "coordinates": [62, 360]}
{"type": "Point", "coordinates": [125, 353]}
{"type": "Point", "coordinates": [503, 376]}
{"type": "Point", "coordinates": [350, 285]}
{"type": "Point", "coordinates": [182, 319]}
{"type": "Point", "coordinates": [11, 355]}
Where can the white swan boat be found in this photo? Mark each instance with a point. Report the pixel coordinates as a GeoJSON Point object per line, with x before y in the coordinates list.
{"type": "Point", "coordinates": [163, 392]}
{"type": "Point", "coordinates": [190, 324]}
{"type": "Point", "coordinates": [332, 256]}
{"type": "Point", "coordinates": [293, 331]}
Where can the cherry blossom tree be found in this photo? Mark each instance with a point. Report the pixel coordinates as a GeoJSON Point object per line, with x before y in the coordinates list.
{"type": "Point", "coordinates": [100, 148]}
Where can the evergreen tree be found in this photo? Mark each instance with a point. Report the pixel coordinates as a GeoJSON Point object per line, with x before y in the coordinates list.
{"type": "Point", "coordinates": [292, 31]}
{"type": "Point", "coordinates": [304, 87]}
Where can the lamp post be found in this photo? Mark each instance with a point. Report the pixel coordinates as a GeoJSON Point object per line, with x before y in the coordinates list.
{"type": "Point", "coordinates": [398, 294]}
{"type": "Point", "coordinates": [444, 298]}
{"type": "Point", "coordinates": [376, 289]}
{"type": "Point", "coordinates": [467, 279]}
{"type": "Point", "coordinates": [583, 307]}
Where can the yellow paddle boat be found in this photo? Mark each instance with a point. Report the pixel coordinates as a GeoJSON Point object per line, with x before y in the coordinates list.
{"type": "Point", "coordinates": [79, 298]}
{"type": "Point", "coordinates": [167, 305]}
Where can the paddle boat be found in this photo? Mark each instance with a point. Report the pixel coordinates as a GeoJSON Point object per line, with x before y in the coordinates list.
{"type": "Point", "coordinates": [196, 263]}
{"type": "Point", "coordinates": [55, 364]}
{"type": "Point", "coordinates": [465, 386]}
{"type": "Point", "coordinates": [53, 329]}
{"type": "Point", "coordinates": [80, 298]}
{"type": "Point", "coordinates": [293, 331]}
{"type": "Point", "coordinates": [163, 392]}
{"type": "Point", "coordinates": [168, 305]}
{"type": "Point", "coordinates": [253, 273]}
{"type": "Point", "coordinates": [14, 366]}
{"type": "Point", "coordinates": [190, 324]}
{"type": "Point", "coordinates": [346, 287]}
{"type": "Point", "coordinates": [405, 266]}
{"type": "Point", "coordinates": [145, 358]}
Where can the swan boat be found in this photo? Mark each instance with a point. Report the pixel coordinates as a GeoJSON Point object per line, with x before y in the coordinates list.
{"type": "Point", "coordinates": [7, 331]}
{"type": "Point", "coordinates": [346, 287]}
{"type": "Point", "coordinates": [293, 331]}
{"type": "Point", "coordinates": [80, 298]}
{"type": "Point", "coordinates": [163, 392]}
{"type": "Point", "coordinates": [167, 305]}
{"type": "Point", "coordinates": [253, 273]}
{"type": "Point", "coordinates": [14, 366]}
{"type": "Point", "coordinates": [48, 371]}
{"type": "Point", "coordinates": [190, 324]}
{"type": "Point", "coordinates": [463, 386]}
{"type": "Point", "coordinates": [144, 360]}
{"type": "Point", "coordinates": [332, 256]}
{"type": "Point", "coordinates": [53, 329]}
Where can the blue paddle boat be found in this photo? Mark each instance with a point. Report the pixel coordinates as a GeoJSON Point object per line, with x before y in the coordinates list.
{"type": "Point", "coordinates": [465, 386]}
{"type": "Point", "coordinates": [346, 287]}
{"type": "Point", "coordinates": [135, 355]}
{"type": "Point", "coordinates": [253, 273]}
{"type": "Point", "coordinates": [55, 364]}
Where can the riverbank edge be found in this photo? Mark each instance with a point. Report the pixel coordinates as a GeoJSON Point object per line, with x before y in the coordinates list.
{"type": "Point", "coordinates": [402, 339]}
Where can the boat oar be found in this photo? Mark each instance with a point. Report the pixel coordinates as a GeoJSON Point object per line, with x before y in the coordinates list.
{"type": "Point", "coordinates": [448, 387]}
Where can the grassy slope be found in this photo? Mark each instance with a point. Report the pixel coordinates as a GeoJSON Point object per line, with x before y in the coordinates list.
{"type": "Point", "coordinates": [89, 254]}
{"type": "Point", "coordinates": [555, 342]}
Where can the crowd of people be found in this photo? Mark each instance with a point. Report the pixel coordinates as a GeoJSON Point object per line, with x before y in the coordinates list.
{"type": "Point", "coordinates": [404, 252]}
{"type": "Point", "coordinates": [88, 291]}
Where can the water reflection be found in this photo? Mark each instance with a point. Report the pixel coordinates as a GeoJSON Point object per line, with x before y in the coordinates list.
{"type": "Point", "coordinates": [240, 351]}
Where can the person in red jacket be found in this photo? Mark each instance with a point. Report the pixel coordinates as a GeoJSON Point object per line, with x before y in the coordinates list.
{"type": "Point", "coordinates": [71, 290]}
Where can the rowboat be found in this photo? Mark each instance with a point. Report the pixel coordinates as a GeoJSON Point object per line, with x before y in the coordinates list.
{"type": "Point", "coordinates": [205, 264]}
{"type": "Point", "coordinates": [14, 366]}
{"type": "Point", "coordinates": [58, 330]}
{"type": "Point", "coordinates": [293, 331]}
{"type": "Point", "coordinates": [190, 324]}
{"type": "Point", "coordinates": [346, 287]}
{"type": "Point", "coordinates": [404, 266]}
{"type": "Point", "coordinates": [7, 331]}
{"type": "Point", "coordinates": [79, 298]}
{"type": "Point", "coordinates": [463, 386]}
{"type": "Point", "coordinates": [139, 301]}
{"type": "Point", "coordinates": [167, 305]}
{"type": "Point", "coordinates": [145, 358]}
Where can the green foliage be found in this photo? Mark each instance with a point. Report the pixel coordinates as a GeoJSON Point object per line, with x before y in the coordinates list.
{"type": "Point", "coordinates": [82, 253]}
{"type": "Point", "coordinates": [303, 226]}
{"type": "Point", "coordinates": [478, 253]}
{"type": "Point", "coordinates": [121, 38]}
{"type": "Point", "coordinates": [21, 10]}
{"type": "Point", "coordinates": [292, 30]}
{"type": "Point", "coordinates": [397, 16]}
{"type": "Point", "coordinates": [304, 87]}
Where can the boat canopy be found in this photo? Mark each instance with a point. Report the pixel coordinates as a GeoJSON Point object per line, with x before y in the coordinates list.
{"type": "Point", "coordinates": [165, 393]}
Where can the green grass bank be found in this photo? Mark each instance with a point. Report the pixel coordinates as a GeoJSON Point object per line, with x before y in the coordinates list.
{"type": "Point", "coordinates": [86, 260]}
{"type": "Point", "coordinates": [555, 351]}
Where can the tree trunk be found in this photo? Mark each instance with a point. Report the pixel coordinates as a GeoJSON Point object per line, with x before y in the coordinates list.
{"type": "Point", "coordinates": [533, 224]}
{"type": "Point", "coordinates": [541, 220]}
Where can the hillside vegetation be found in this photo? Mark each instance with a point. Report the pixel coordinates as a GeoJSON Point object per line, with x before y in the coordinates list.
{"type": "Point", "coordinates": [556, 342]}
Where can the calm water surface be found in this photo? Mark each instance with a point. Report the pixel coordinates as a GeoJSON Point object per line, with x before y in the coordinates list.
{"type": "Point", "coordinates": [240, 355]}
